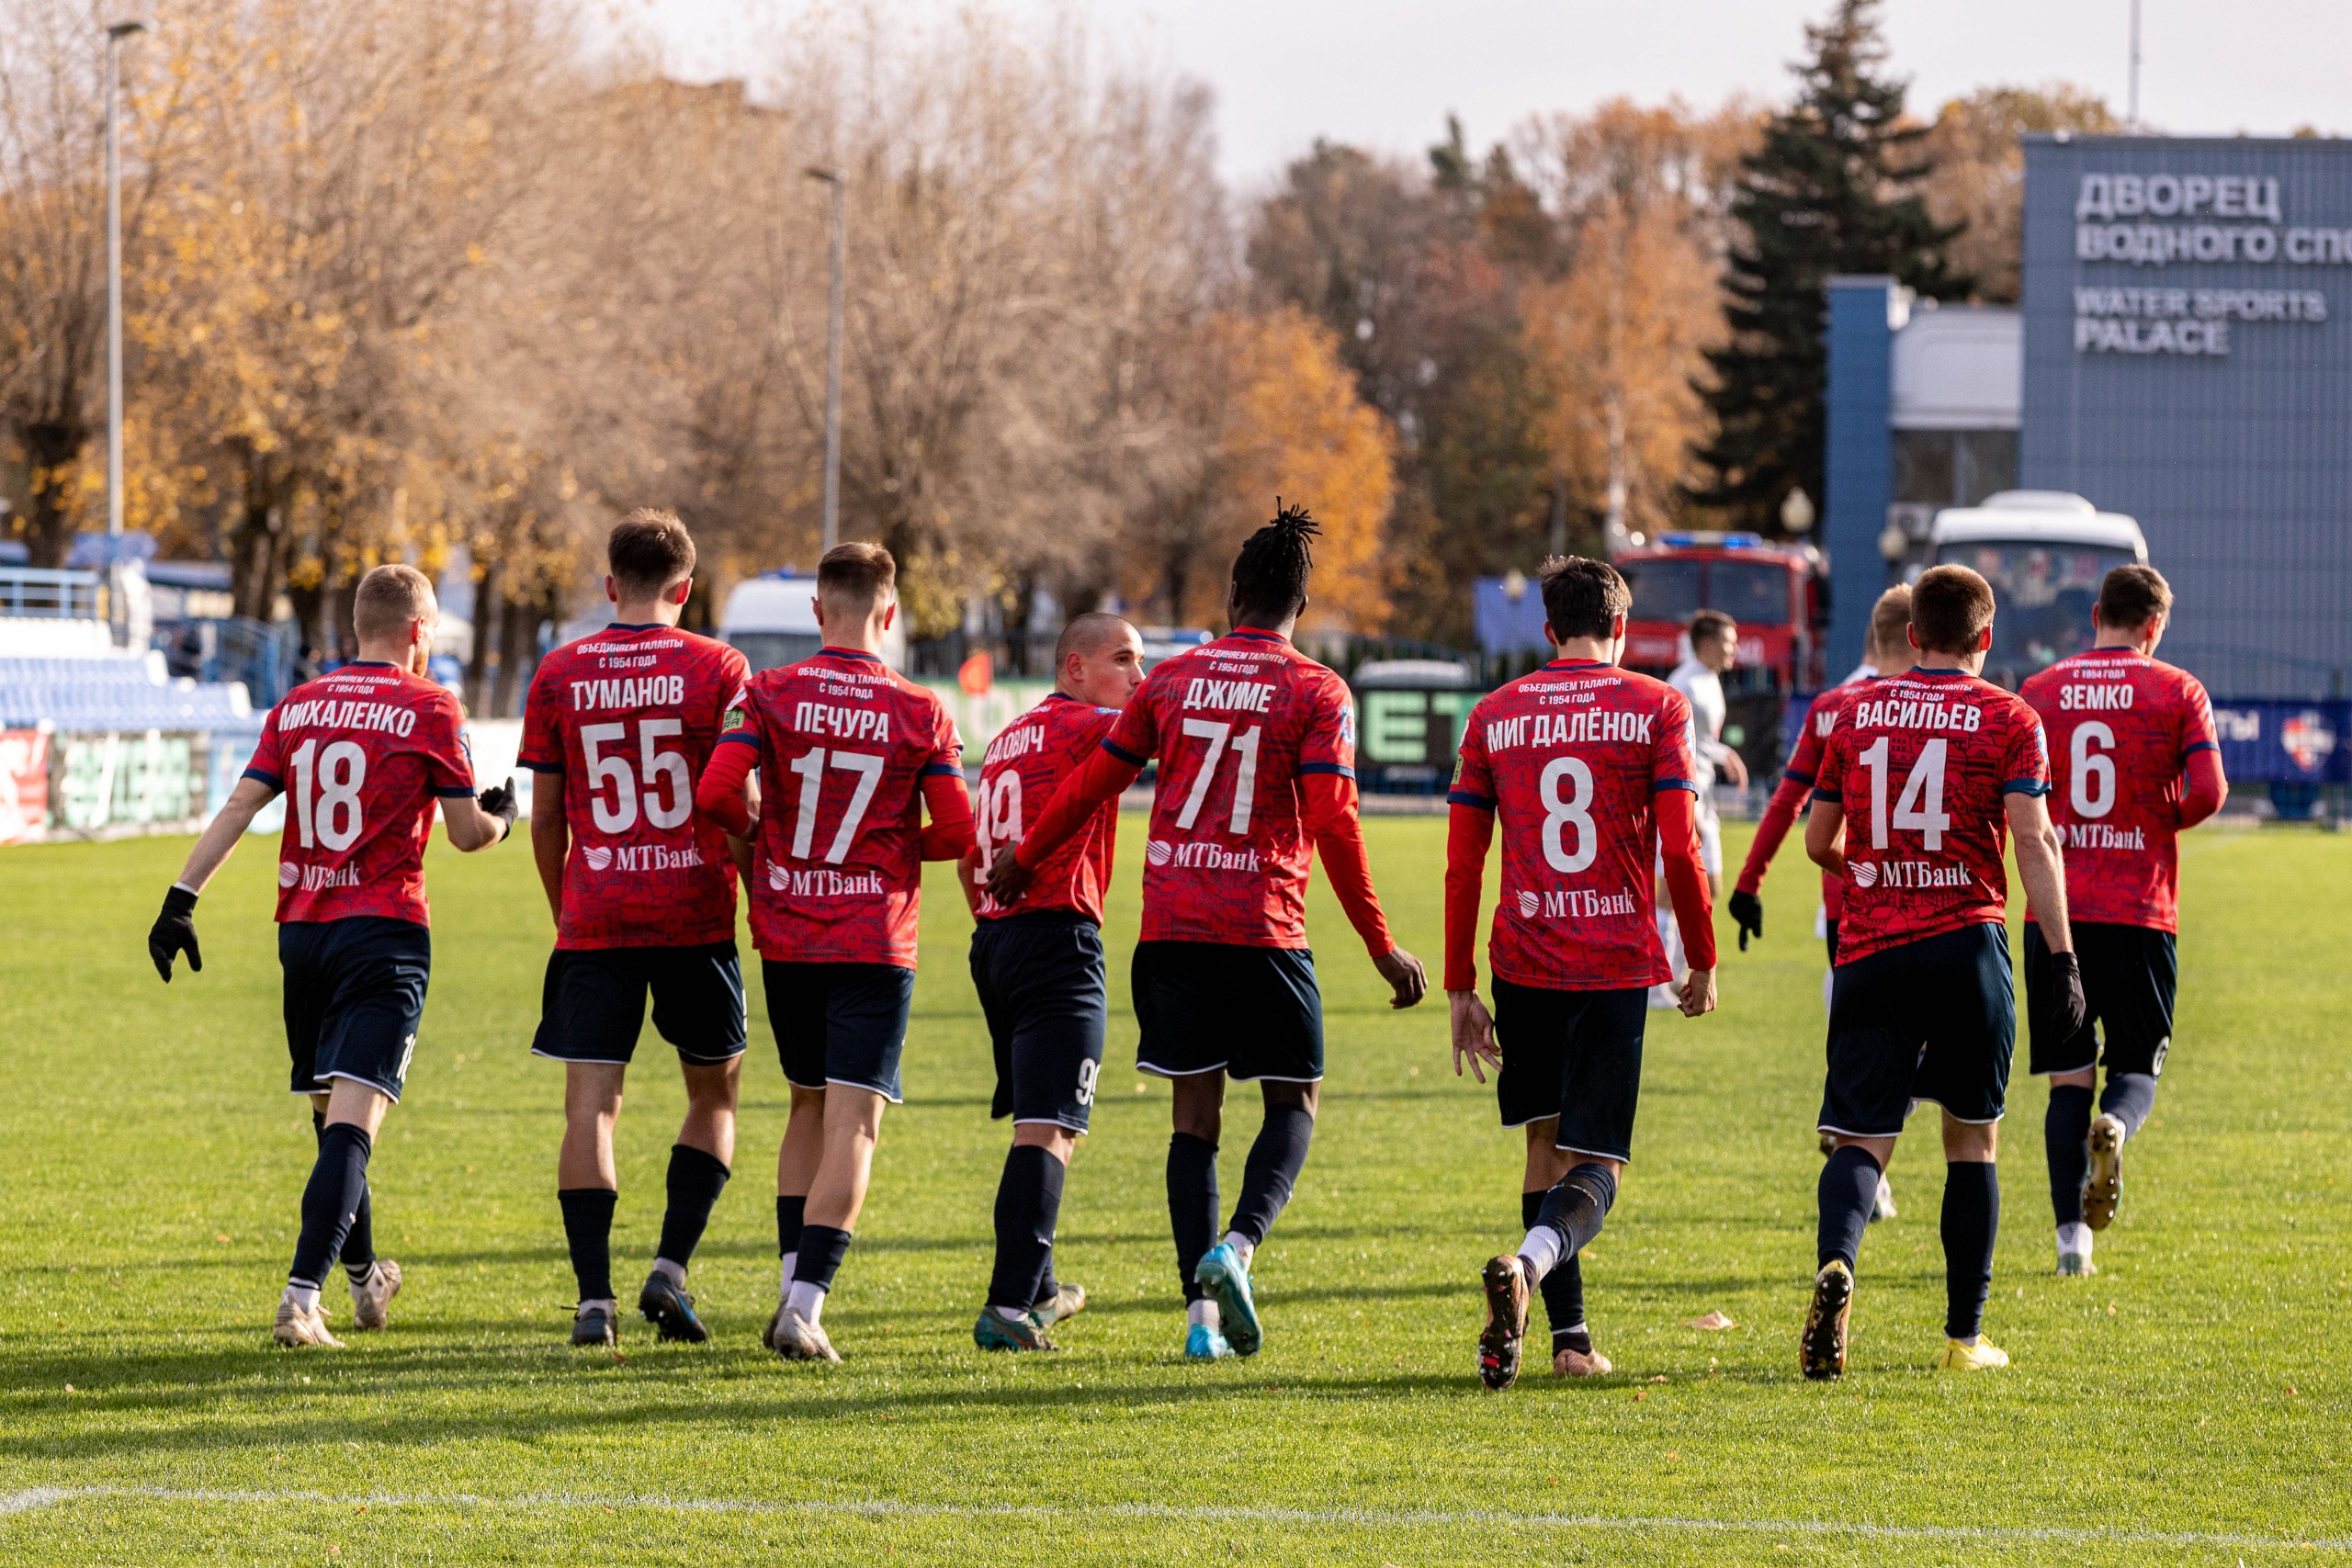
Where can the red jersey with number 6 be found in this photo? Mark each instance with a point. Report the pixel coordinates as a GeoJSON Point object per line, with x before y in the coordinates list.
{"type": "Point", "coordinates": [1235, 723]}
{"type": "Point", "coordinates": [2121, 730]}
{"type": "Point", "coordinates": [361, 754]}
{"type": "Point", "coordinates": [844, 744]}
{"type": "Point", "coordinates": [1923, 764]}
{"type": "Point", "coordinates": [1570, 760]}
{"type": "Point", "coordinates": [1019, 772]}
{"type": "Point", "coordinates": [625, 719]}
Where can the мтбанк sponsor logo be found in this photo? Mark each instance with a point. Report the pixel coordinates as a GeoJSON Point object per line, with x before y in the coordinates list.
{"type": "Point", "coordinates": [1167, 855]}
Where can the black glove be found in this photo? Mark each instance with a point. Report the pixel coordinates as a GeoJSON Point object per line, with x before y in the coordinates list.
{"type": "Point", "coordinates": [1748, 911]}
{"type": "Point", "coordinates": [2063, 1009]}
{"type": "Point", "coordinates": [499, 801]}
{"type": "Point", "coordinates": [174, 932]}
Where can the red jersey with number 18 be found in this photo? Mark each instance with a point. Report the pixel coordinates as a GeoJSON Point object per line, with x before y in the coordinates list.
{"type": "Point", "coordinates": [844, 744]}
{"type": "Point", "coordinates": [362, 753]}
{"type": "Point", "coordinates": [1019, 772]}
{"type": "Point", "coordinates": [1235, 723]}
{"type": "Point", "coordinates": [1570, 760]}
{"type": "Point", "coordinates": [2121, 730]}
{"type": "Point", "coordinates": [625, 719]}
{"type": "Point", "coordinates": [1923, 764]}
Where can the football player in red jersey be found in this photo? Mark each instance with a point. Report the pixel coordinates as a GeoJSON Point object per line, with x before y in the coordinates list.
{"type": "Point", "coordinates": [616, 726]}
{"type": "Point", "coordinates": [2133, 760]}
{"type": "Point", "coordinates": [1038, 968]}
{"type": "Point", "coordinates": [1922, 780]}
{"type": "Point", "coordinates": [1592, 772]}
{"type": "Point", "coordinates": [850, 753]}
{"type": "Point", "coordinates": [1256, 745]}
{"type": "Point", "coordinates": [365, 752]}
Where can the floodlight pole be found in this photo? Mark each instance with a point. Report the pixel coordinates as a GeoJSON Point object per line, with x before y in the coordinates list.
{"type": "Point", "coordinates": [2135, 65]}
{"type": "Point", "coordinates": [832, 515]}
{"type": "Point", "coordinates": [115, 35]}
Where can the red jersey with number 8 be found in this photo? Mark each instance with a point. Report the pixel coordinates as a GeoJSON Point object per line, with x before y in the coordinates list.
{"type": "Point", "coordinates": [1570, 760]}
{"type": "Point", "coordinates": [2121, 730]}
{"type": "Point", "coordinates": [625, 719]}
{"type": "Point", "coordinates": [361, 754]}
{"type": "Point", "coordinates": [1235, 723]}
{"type": "Point", "coordinates": [844, 744]}
{"type": "Point", "coordinates": [1019, 772]}
{"type": "Point", "coordinates": [1923, 764]}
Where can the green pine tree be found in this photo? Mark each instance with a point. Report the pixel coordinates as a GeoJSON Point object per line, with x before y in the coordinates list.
{"type": "Point", "coordinates": [1832, 188]}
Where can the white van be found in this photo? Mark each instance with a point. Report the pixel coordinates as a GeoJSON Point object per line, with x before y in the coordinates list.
{"type": "Point", "coordinates": [773, 620]}
{"type": "Point", "coordinates": [2045, 552]}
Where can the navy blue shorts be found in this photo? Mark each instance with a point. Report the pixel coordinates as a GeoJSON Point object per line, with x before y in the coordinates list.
{"type": "Point", "coordinates": [2129, 976]}
{"type": "Point", "coordinates": [355, 995]}
{"type": "Point", "coordinates": [1934, 1019]}
{"type": "Point", "coordinates": [1253, 1012]}
{"type": "Point", "coordinates": [838, 1024]}
{"type": "Point", "coordinates": [1576, 1055]}
{"type": "Point", "coordinates": [591, 1007]}
{"type": "Point", "coordinates": [1046, 996]}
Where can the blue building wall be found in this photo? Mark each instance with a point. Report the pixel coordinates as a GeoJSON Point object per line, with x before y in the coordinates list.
{"type": "Point", "coordinates": [2237, 463]}
{"type": "Point", "coordinates": [1861, 458]}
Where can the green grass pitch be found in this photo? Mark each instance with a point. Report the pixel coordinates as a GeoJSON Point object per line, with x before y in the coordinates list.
{"type": "Point", "coordinates": [2187, 1406]}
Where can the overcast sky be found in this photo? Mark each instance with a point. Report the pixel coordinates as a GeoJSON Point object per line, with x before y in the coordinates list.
{"type": "Point", "coordinates": [1384, 73]}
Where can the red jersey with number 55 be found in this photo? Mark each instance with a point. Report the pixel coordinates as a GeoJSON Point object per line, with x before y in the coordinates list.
{"type": "Point", "coordinates": [1019, 772]}
{"type": "Point", "coordinates": [1235, 723]}
{"type": "Point", "coordinates": [1570, 760]}
{"type": "Point", "coordinates": [1923, 764]}
{"type": "Point", "coordinates": [361, 754]}
{"type": "Point", "coordinates": [844, 744]}
{"type": "Point", "coordinates": [2121, 728]}
{"type": "Point", "coordinates": [625, 719]}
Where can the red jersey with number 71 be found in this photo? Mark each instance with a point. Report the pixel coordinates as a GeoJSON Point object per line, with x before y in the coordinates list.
{"type": "Point", "coordinates": [1019, 772]}
{"type": "Point", "coordinates": [2122, 727]}
{"type": "Point", "coordinates": [1570, 760]}
{"type": "Point", "coordinates": [1235, 723]}
{"type": "Point", "coordinates": [1924, 763]}
{"type": "Point", "coordinates": [844, 744]}
{"type": "Point", "coordinates": [622, 722]}
{"type": "Point", "coordinates": [361, 753]}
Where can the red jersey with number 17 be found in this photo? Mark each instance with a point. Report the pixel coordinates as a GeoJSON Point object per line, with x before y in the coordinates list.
{"type": "Point", "coordinates": [625, 719]}
{"type": "Point", "coordinates": [844, 744]}
{"type": "Point", "coordinates": [1019, 772]}
{"type": "Point", "coordinates": [2121, 728]}
{"type": "Point", "coordinates": [361, 753]}
{"type": "Point", "coordinates": [1924, 763]}
{"type": "Point", "coordinates": [1570, 760]}
{"type": "Point", "coordinates": [1235, 723]}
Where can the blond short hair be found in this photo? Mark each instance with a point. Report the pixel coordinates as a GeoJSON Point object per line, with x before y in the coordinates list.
{"type": "Point", "coordinates": [390, 598]}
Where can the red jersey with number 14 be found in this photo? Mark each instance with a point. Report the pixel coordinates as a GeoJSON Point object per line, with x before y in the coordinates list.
{"type": "Point", "coordinates": [625, 719]}
{"type": "Point", "coordinates": [362, 754]}
{"type": "Point", "coordinates": [1019, 772]}
{"type": "Point", "coordinates": [844, 744]}
{"type": "Point", "coordinates": [1570, 760]}
{"type": "Point", "coordinates": [1924, 763]}
{"type": "Point", "coordinates": [1235, 723]}
{"type": "Point", "coordinates": [2121, 728]}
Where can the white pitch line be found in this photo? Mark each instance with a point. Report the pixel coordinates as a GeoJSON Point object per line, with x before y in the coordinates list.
{"type": "Point", "coordinates": [42, 1497]}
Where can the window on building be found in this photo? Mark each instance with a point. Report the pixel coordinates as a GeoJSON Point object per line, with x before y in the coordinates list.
{"type": "Point", "coordinates": [1953, 467]}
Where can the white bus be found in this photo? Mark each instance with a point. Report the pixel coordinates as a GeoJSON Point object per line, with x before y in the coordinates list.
{"type": "Point", "coordinates": [773, 620]}
{"type": "Point", "coordinates": [2045, 553]}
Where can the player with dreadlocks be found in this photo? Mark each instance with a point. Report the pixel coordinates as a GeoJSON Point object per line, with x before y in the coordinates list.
{"type": "Point", "coordinates": [1257, 748]}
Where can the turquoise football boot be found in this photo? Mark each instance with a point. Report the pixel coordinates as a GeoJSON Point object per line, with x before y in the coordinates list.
{"type": "Point", "coordinates": [1221, 1274]}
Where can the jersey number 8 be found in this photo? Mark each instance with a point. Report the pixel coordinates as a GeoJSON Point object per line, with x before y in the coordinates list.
{"type": "Point", "coordinates": [1574, 812]}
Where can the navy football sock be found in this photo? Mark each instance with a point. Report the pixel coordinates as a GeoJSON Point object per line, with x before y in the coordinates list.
{"type": "Point", "coordinates": [1028, 1201]}
{"type": "Point", "coordinates": [821, 1252]}
{"type": "Point", "coordinates": [1848, 1191]}
{"type": "Point", "coordinates": [588, 1232]}
{"type": "Point", "coordinates": [1192, 1203]}
{"type": "Point", "coordinates": [337, 1182]}
{"type": "Point", "coordinates": [1576, 1207]}
{"type": "Point", "coordinates": [697, 1179]}
{"type": "Point", "coordinates": [2129, 1099]}
{"type": "Point", "coordinates": [788, 1222]}
{"type": "Point", "coordinates": [1269, 1175]}
{"type": "Point", "coordinates": [1563, 1288]}
{"type": "Point", "coordinates": [359, 1247]}
{"type": "Point", "coordinates": [2065, 1136]}
{"type": "Point", "coordinates": [1047, 1286]}
{"type": "Point", "coordinates": [1971, 1218]}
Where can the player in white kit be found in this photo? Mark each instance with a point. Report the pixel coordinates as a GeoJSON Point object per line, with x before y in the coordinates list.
{"type": "Point", "coordinates": [1714, 645]}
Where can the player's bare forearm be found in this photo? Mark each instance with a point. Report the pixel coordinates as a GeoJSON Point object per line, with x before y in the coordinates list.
{"type": "Point", "coordinates": [1825, 837]}
{"type": "Point", "coordinates": [468, 826]}
{"type": "Point", "coordinates": [221, 835]}
{"type": "Point", "coordinates": [739, 852]}
{"type": "Point", "coordinates": [2042, 867]}
{"type": "Point", "coordinates": [551, 843]}
{"type": "Point", "coordinates": [971, 877]}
